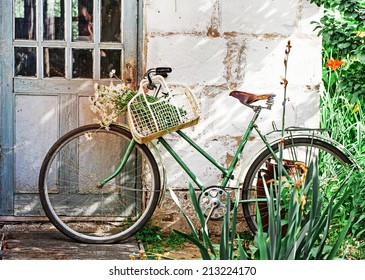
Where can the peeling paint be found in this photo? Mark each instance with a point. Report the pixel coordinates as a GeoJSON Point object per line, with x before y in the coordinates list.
{"type": "Point", "coordinates": [235, 61]}
{"type": "Point", "coordinates": [213, 32]}
{"type": "Point", "coordinates": [229, 159]}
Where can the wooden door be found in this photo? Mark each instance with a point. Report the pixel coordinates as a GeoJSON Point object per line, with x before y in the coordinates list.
{"type": "Point", "coordinates": [53, 51]}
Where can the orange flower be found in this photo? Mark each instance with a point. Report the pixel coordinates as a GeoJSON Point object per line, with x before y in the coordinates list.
{"type": "Point", "coordinates": [360, 34]}
{"type": "Point", "coordinates": [303, 201]}
{"type": "Point", "coordinates": [334, 64]}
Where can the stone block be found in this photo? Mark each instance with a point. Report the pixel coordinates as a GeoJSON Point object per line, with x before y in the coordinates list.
{"type": "Point", "coordinates": [264, 63]}
{"type": "Point", "coordinates": [260, 17]}
{"type": "Point", "coordinates": [194, 59]}
{"type": "Point", "coordinates": [179, 16]}
{"type": "Point", "coordinates": [309, 13]}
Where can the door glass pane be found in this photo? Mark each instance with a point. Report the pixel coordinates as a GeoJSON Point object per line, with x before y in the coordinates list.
{"type": "Point", "coordinates": [25, 19]}
{"type": "Point", "coordinates": [110, 60]}
{"type": "Point", "coordinates": [82, 20]}
{"type": "Point", "coordinates": [54, 19]}
{"type": "Point", "coordinates": [25, 62]}
{"type": "Point", "coordinates": [54, 62]}
{"type": "Point", "coordinates": [82, 63]}
{"type": "Point", "coordinates": [110, 20]}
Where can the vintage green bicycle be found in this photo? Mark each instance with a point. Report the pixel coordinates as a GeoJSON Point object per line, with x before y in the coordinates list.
{"type": "Point", "coordinates": [103, 188]}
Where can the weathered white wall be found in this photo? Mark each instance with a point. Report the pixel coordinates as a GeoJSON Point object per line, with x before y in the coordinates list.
{"type": "Point", "coordinates": [216, 46]}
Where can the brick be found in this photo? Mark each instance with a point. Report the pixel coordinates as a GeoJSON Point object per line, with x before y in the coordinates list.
{"type": "Point", "coordinates": [265, 58]}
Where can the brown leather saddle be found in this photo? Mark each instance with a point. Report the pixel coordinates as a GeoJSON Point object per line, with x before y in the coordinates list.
{"type": "Point", "coordinates": [249, 98]}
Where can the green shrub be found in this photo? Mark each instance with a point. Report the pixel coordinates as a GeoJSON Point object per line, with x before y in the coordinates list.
{"type": "Point", "coordinates": [343, 100]}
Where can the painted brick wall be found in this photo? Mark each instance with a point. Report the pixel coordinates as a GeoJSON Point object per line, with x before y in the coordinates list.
{"type": "Point", "coordinates": [216, 46]}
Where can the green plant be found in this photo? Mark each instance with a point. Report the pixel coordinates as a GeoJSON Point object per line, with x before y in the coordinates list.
{"type": "Point", "coordinates": [347, 126]}
{"type": "Point", "coordinates": [308, 224]}
{"type": "Point", "coordinates": [209, 251]}
{"type": "Point", "coordinates": [155, 241]}
{"type": "Point", "coordinates": [342, 102]}
{"type": "Point", "coordinates": [343, 31]}
{"type": "Point", "coordinates": [151, 238]}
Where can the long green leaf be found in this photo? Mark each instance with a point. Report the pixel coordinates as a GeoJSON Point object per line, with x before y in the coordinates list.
{"type": "Point", "coordinates": [292, 252]}
{"type": "Point", "coordinates": [224, 241]}
{"type": "Point", "coordinates": [234, 222]}
{"type": "Point", "coordinates": [319, 254]}
{"type": "Point", "coordinates": [199, 212]}
{"type": "Point", "coordinates": [261, 238]}
{"type": "Point", "coordinates": [273, 234]}
{"type": "Point", "coordinates": [341, 237]}
{"type": "Point", "coordinates": [243, 255]}
{"type": "Point", "coordinates": [177, 202]}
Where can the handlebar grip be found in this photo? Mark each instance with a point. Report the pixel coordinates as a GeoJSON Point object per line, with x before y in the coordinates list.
{"type": "Point", "coordinates": [163, 71]}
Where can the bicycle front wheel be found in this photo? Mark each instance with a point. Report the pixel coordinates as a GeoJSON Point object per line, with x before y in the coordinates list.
{"type": "Point", "coordinates": [74, 198]}
{"type": "Point", "coordinates": [298, 153]}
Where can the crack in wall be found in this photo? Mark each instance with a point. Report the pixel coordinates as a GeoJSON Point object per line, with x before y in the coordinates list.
{"type": "Point", "coordinates": [215, 23]}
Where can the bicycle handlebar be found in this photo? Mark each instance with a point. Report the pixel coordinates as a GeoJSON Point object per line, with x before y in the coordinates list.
{"type": "Point", "coordinates": [162, 71]}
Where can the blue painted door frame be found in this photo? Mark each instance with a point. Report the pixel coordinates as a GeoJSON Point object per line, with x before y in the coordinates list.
{"type": "Point", "coordinates": [6, 111]}
{"type": "Point", "coordinates": [9, 91]}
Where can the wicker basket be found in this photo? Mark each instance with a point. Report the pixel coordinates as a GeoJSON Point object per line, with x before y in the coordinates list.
{"type": "Point", "coordinates": [175, 109]}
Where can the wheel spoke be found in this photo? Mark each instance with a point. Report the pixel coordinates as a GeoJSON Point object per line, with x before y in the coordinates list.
{"type": "Point", "coordinates": [297, 156]}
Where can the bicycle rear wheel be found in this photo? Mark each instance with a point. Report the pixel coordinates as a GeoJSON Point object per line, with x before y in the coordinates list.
{"type": "Point", "coordinates": [333, 165]}
{"type": "Point", "coordinates": [70, 185]}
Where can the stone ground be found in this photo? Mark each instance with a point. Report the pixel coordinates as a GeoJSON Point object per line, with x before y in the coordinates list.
{"type": "Point", "coordinates": [41, 241]}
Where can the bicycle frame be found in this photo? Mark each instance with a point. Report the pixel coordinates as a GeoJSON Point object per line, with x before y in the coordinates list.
{"type": "Point", "coordinates": [227, 172]}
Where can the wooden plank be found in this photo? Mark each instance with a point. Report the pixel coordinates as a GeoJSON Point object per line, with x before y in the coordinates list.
{"type": "Point", "coordinates": [55, 246]}
{"type": "Point", "coordinates": [36, 130]}
{"type": "Point", "coordinates": [6, 110]}
{"type": "Point", "coordinates": [54, 86]}
{"type": "Point", "coordinates": [2, 237]}
{"type": "Point", "coordinates": [14, 219]}
{"type": "Point", "coordinates": [130, 40]}
{"type": "Point", "coordinates": [29, 204]}
{"type": "Point", "coordinates": [68, 113]}
{"type": "Point", "coordinates": [140, 46]}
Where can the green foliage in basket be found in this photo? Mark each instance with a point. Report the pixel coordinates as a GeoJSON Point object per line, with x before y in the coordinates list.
{"type": "Point", "coordinates": [109, 102]}
{"type": "Point", "coordinates": [162, 112]}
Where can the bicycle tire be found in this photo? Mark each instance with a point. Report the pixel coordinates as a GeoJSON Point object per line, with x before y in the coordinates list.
{"type": "Point", "coordinates": [70, 192]}
{"type": "Point", "coordinates": [252, 186]}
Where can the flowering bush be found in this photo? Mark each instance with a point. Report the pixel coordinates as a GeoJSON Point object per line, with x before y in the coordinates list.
{"type": "Point", "coordinates": [342, 101]}
{"type": "Point", "coordinates": [334, 64]}
{"type": "Point", "coordinates": [109, 102]}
